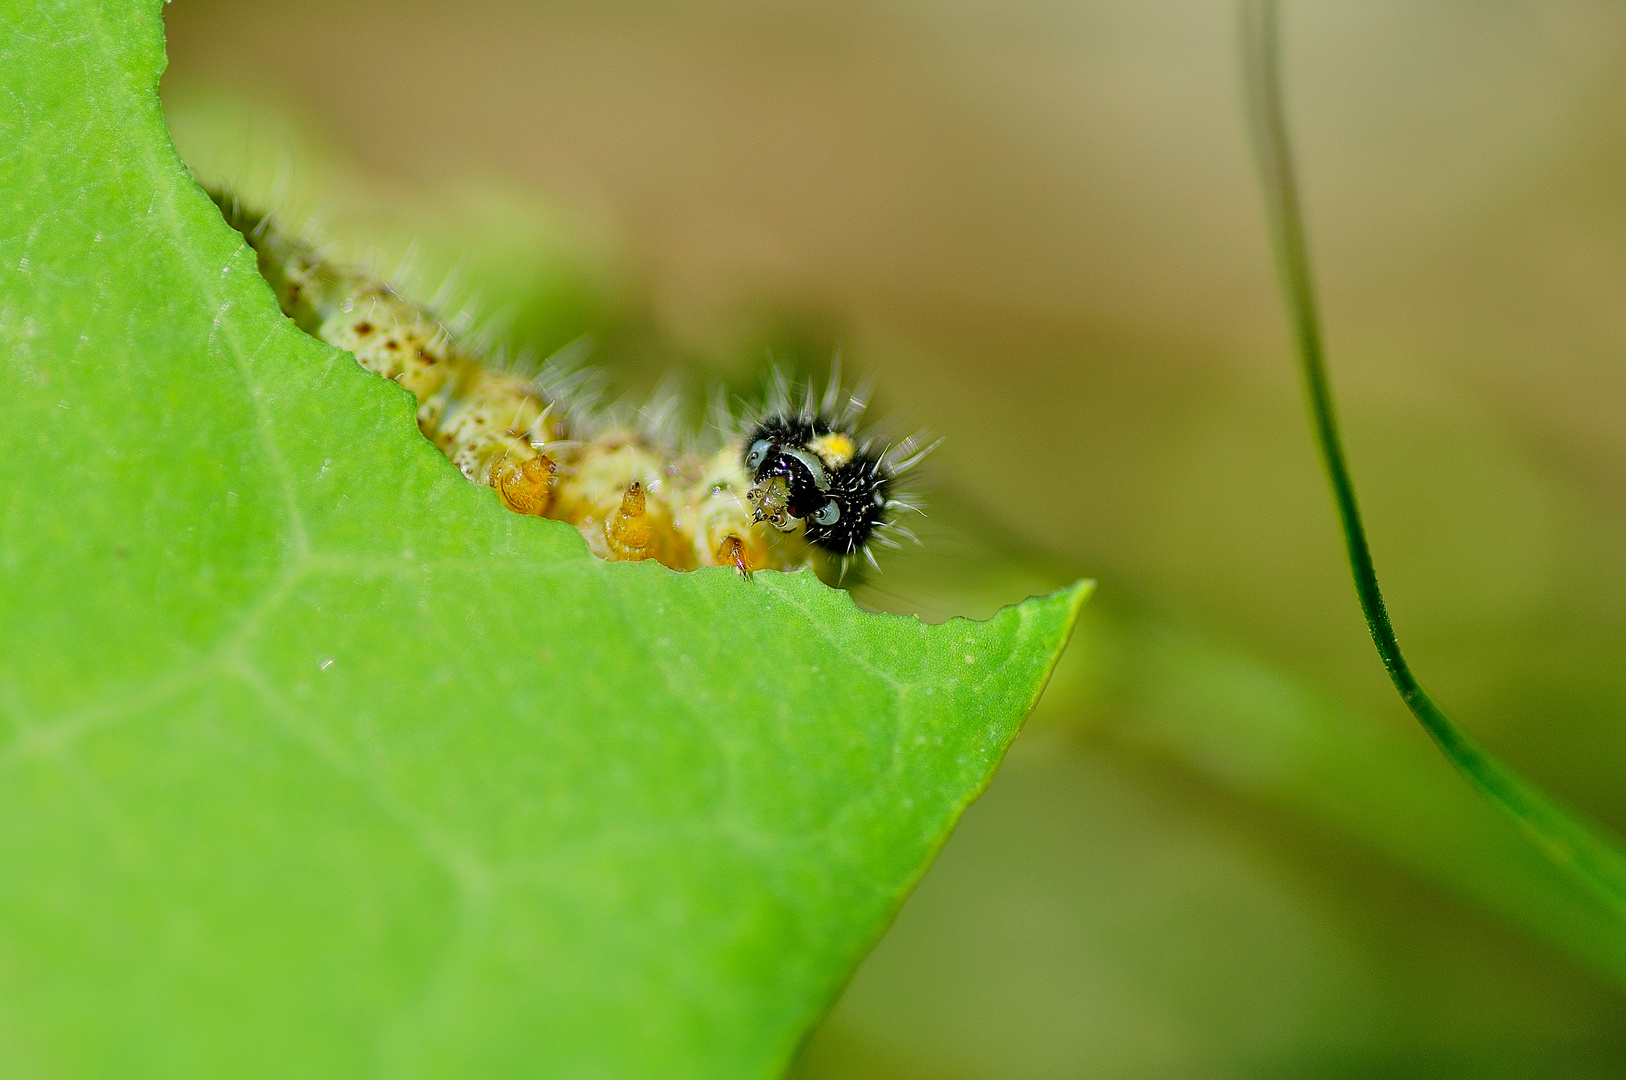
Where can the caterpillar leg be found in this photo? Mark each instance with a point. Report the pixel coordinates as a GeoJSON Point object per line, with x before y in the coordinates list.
{"type": "Point", "coordinates": [627, 531]}
{"type": "Point", "coordinates": [525, 487]}
{"type": "Point", "coordinates": [732, 552]}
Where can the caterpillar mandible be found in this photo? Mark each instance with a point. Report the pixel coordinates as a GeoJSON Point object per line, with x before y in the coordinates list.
{"type": "Point", "coordinates": [793, 484]}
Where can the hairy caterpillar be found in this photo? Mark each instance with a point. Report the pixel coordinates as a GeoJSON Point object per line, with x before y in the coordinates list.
{"type": "Point", "coordinates": [793, 484]}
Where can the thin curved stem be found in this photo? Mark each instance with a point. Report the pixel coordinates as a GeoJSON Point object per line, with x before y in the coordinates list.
{"type": "Point", "coordinates": [1580, 848]}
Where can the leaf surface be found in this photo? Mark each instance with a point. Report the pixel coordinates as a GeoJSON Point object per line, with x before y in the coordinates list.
{"type": "Point", "coordinates": [315, 762]}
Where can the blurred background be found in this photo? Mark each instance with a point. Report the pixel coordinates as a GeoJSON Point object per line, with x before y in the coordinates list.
{"type": "Point", "coordinates": [1221, 847]}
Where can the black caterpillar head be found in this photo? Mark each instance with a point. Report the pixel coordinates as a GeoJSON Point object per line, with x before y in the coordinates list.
{"type": "Point", "coordinates": [831, 482]}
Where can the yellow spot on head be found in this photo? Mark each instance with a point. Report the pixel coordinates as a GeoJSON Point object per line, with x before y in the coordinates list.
{"type": "Point", "coordinates": [834, 449]}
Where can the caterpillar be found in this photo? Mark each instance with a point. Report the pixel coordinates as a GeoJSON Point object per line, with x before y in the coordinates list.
{"type": "Point", "coordinates": [793, 483]}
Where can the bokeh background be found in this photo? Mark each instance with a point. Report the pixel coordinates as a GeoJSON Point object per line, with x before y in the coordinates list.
{"type": "Point", "coordinates": [1221, 848]}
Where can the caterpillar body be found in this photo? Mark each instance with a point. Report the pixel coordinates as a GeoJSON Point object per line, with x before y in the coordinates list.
{"type": "Point", "coordinates": [793, 484]}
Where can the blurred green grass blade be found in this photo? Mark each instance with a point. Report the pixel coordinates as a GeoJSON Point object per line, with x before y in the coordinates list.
{"type": "Point", "coordinates": [1592, 858]}
{"type": "Point", "coordinates": [316, 762]}
{"type": "Point", "coordinates": [1141, 675]}
{"type": "Point", "coordinates": [1257, 731]}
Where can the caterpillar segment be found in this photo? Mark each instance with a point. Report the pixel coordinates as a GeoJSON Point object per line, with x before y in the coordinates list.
{"type": "Point", "coordinates": [794, 486]}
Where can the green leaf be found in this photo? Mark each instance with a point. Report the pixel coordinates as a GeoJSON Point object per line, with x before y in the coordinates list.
{"type": "Point", "coordinates": [313, 761]}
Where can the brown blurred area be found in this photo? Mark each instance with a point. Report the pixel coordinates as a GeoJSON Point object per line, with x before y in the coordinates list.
{"type": "Point", "coordinates": [1036, 224]}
